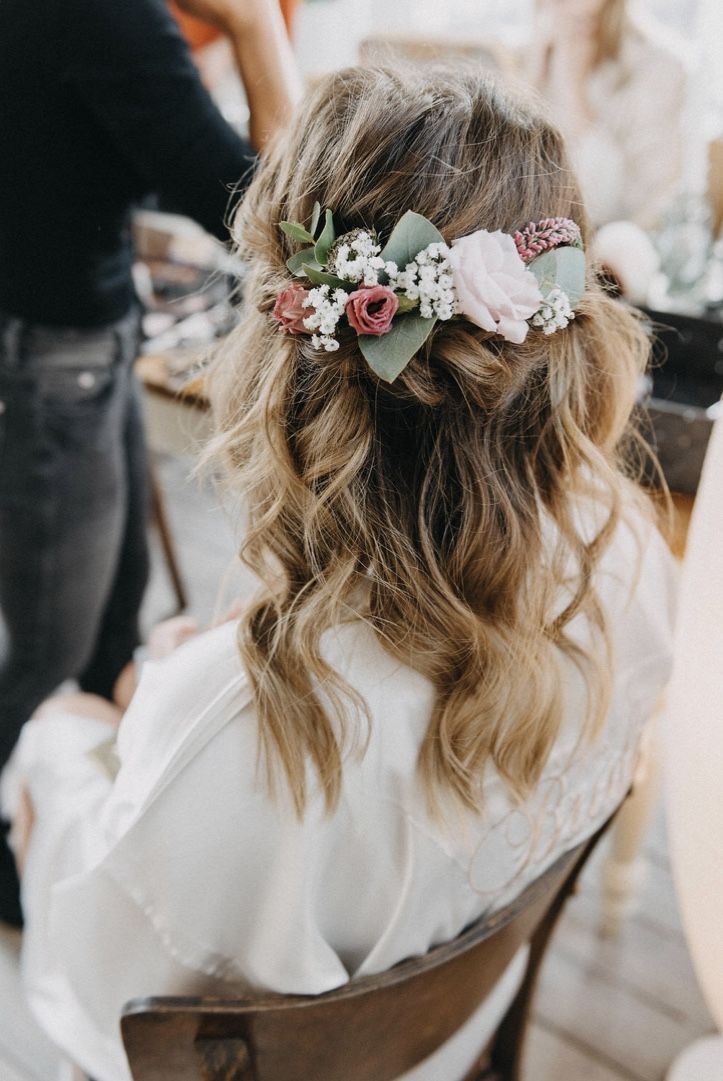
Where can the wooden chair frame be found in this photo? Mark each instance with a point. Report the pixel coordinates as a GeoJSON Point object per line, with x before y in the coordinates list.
{"type": "Point", "coordinates": [372, 1029]}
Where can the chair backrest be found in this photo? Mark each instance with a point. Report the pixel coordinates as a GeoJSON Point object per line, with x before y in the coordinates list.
{"type": "Point", "coordinates": [372, 1029]}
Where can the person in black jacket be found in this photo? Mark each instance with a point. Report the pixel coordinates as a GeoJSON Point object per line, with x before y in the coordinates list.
{"type": "Point", "coordinates": [100, 103]}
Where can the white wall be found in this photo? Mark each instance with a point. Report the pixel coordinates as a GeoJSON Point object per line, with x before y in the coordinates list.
{"type": "Point", "coordinates": [328, 31]}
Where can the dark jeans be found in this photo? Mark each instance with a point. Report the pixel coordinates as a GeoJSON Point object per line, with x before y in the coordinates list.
{"type": "Point", "coordinates": [73, 511]}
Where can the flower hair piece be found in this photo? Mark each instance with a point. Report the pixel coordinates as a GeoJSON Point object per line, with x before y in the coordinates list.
{"type": "Point", "coordinates": [393, 296]}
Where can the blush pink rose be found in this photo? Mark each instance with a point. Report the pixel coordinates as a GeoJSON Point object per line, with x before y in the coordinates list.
{"type": "Point", "coordinates": [289, 309]}
{"type": "Point", "coordinates": [494, 288]}
{"type": "Point", "coordinates": [370, 310]}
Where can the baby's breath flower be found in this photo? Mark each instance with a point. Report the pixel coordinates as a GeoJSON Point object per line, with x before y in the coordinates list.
{"type": "Point", "coordinates": [427, 279]}
{"type": "Point", "coordinates": [327, 309]}
{"type": "Point", "coordinates": [354, 257]}
{"type": "Point", "coordinates": [554, 313]}
{"type": "Point", "coordinates": [323, 341]}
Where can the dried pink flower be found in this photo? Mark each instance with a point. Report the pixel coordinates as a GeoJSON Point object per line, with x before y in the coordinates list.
{"type": "Point", "coordinates": [541, 236]}
{"type": "Point", "coordinates": [289, 309]}
{"type": "Point", "coordinates": [370, 310]}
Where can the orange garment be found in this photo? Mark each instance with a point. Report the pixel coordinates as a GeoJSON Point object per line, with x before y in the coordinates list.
{"type": "Point", "coordinates": [288, 10]}
{"type": "Point", "coordinates": [198, 33]}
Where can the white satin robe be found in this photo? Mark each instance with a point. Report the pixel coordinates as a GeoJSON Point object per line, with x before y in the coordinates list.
{"type": "Point", "coordinates": [183, 876]}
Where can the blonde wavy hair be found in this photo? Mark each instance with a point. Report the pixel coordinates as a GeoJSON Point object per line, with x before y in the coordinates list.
{"type": "Point", "coordinates": [442, 508]}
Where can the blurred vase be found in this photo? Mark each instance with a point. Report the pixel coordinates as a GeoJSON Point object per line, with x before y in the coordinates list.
{"type": "Point", "coordinates": [702, 1061]}
{"type": "Point", "coordinates": [684, 245]}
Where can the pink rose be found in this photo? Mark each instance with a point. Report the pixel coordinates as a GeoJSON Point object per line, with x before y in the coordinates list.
{"type": "Point", "coordinates": [289, 309]}
{"type": "Point", "coordinates": [495, 290]}
{"type": "Point", "coordinates": [370, 310]}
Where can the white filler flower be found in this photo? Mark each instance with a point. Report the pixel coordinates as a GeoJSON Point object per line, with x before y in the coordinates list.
{"type": "Point", "coordinates": [328, 307]}
{"type": "Point", "coordinates": [356, 258]}
{"type": "Point", "coordinates": [554, 313]}
{"type": "Point", "coordinates": [427, 279]}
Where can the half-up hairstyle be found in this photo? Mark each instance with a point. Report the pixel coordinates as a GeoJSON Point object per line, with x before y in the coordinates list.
{"type": "Point", "coordinates": [446, 500]}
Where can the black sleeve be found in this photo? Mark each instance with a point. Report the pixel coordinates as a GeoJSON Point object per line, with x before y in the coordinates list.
{"type": "Point", "coordinates": [130, 64]}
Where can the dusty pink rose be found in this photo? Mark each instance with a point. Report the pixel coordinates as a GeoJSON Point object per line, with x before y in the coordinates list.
{"type": "Point", "coordinates": [494, 288]}
{"type": "Point", "coordinates": [370, 310]}
{"type": "Point", "coordinates": [289, 309]}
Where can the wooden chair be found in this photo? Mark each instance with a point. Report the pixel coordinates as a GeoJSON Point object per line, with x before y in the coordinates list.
{"type": "Point", "coordinates": [372, 1029]}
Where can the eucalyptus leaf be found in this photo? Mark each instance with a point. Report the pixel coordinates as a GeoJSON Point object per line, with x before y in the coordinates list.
{"type": "Point", "coordinates": [410, 235]}
{"type": "Point", "coordinates": [326, 239]}
{"type": "Point", "coordinates": [320, 277]}
{"type": "Point", "coordinates": [296, 231]}
{"type": "Point", "coordinates": [315, 215]}
{"type": "Point", "coordinates": [562, 268]}
{"type": "Point", "coordinates": [297, 261]}
{"type": "Point", "coordinates": [389, 354]}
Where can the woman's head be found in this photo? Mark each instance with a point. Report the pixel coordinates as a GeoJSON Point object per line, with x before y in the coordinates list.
{"type": "Point", "coordinates": [430, 498]}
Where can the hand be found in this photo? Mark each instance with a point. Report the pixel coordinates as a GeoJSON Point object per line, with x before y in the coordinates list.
{"type": "Point", "coordinates": [169, 635]}
{"type": "Point", "coordinates": [163, 639]}
{"type": "Point", "coordinates": [79, 704]}
{"type": "Point", "coordinates": [231, 613]}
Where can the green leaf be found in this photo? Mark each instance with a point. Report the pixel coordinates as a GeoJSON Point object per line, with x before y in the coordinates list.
{"type": "Point", "coordinates": [405, 304]}
{"type": "Point", "coordinates": [562, 268]}
{"type": "Point", "coordinates": [296, 231]}
{"type": "Point", "coordinates": [320, 277]}
{"type": "Point", "coordinates": [296, 262]}
{"type": "Point", "coordinates": [410, 235]}
{"type": "Point", "coordinates": [325, 241]}
{"type": "Point", "coordinates": [315, 215]}
{"type": "Point", "coordinates": [389, 354]}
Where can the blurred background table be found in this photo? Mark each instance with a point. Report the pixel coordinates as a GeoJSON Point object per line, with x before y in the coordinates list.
{"type": "Point", "coordinates": [178, 417]}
